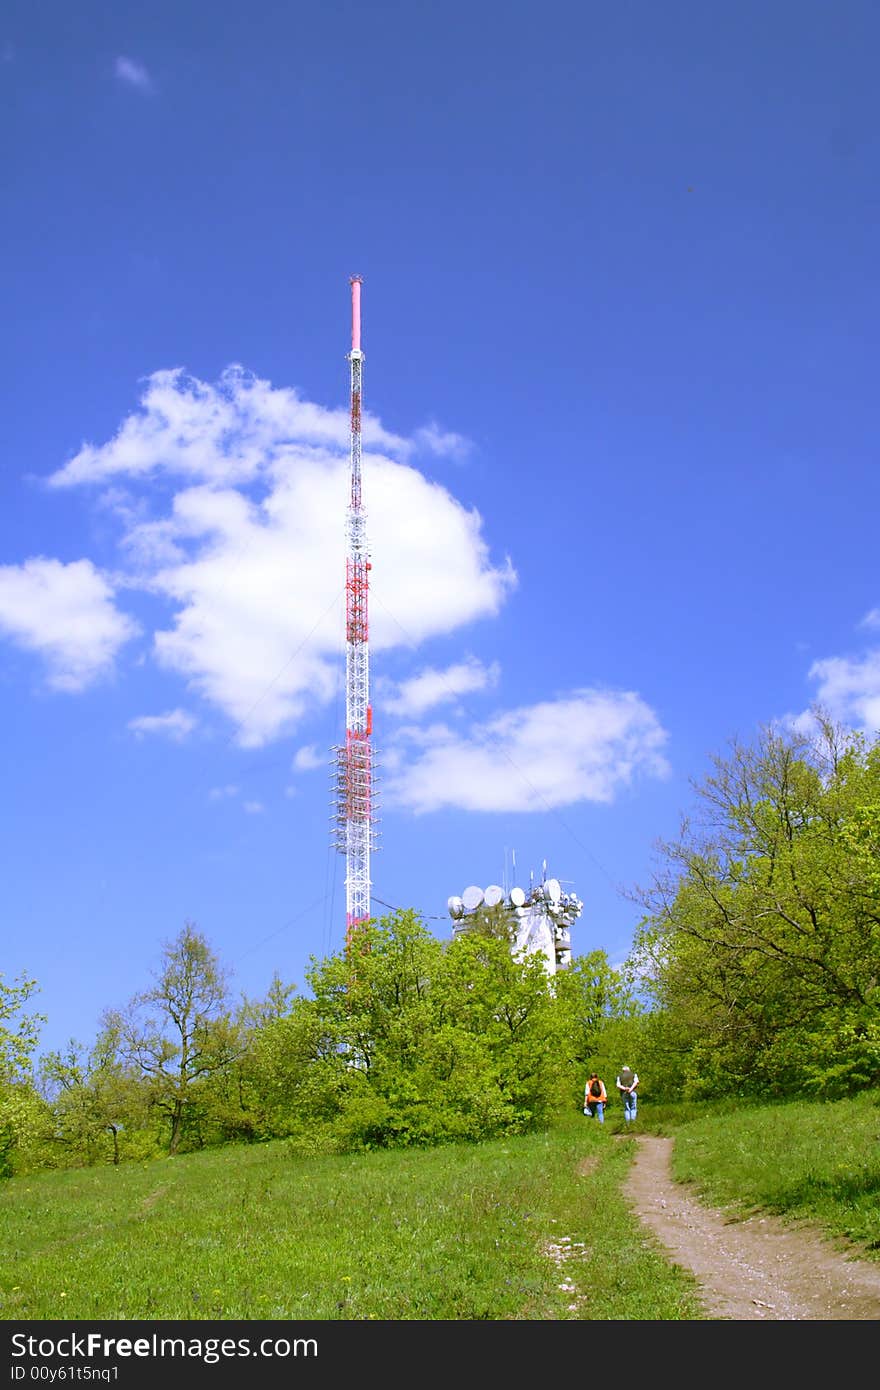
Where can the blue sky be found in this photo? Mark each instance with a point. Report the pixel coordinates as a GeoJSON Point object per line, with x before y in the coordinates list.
{"type": "Point", "coordinates": [620, 313]}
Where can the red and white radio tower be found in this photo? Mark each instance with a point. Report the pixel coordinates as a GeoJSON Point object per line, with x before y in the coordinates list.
{"type": "Point", "coordinates": [354, 820]}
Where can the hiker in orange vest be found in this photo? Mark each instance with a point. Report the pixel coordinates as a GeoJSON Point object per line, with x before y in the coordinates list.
{"type": "Point", "coordinates": [595, 1097]}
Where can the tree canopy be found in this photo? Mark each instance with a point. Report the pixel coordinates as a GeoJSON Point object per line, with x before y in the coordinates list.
{"type": "Point", "coordinates": [761, 943]}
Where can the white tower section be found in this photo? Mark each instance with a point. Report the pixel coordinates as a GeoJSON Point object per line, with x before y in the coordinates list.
{"type": "Point", "coordinates": [539, 922]}
{"type": "Point", "coordinates": [354, 819]}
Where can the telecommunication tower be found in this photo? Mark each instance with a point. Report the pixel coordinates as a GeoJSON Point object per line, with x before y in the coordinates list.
{"type": "Point", "coordinates": [539, 921]}
{"type": "Point", "coordinates": [354, 819]}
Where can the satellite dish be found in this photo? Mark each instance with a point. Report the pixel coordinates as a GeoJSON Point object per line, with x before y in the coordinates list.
{"type": "Point", "coordinates": [517, 897]}
{"type": "Point", "coordinates": [553, 890]}
{"type": "Point", "coordinates": [493, 895]}
{"type": "Point", "coordinates": [456, 907]}
{"type": "Point", "coordinates": [472, 897]}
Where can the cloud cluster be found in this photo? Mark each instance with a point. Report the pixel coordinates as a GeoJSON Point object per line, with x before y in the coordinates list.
{"type": "Point", "coordinates": [430, 687]}
{"type": "Point", "coordinates": [176, 725]}
{"type": "Point", "coordinates": [65, 613]}
{"type": "Point", "coordinates": [226, 432]}
{"type": "Point", "coordinates": [250, 552]}
{"type": "Point", "coordinates": [230, 498]}
{"type": "Point", "coordinates": [849, 688]}
{"type": "Point", "coordinates": [584, 746]}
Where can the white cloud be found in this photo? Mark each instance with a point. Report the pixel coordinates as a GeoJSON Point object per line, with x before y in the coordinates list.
{"type": "Point", "coordinates": [176, 724]}
{"type": "Point", "coordinates": [66, 614]}
{"type": "Point", "coordinates": [871, 619]}
{"type": "Point", "coordinates": [445, 443]}
{"type": "Point", "coordinates": [134, 74]}
{"type": "Point", "coordinates": [259, 626]}
{"type": "Point", "coordinates": [431, 687]}
{"type": "Point", "coordinates": [231, 431]}
{"type": "Point", "coordinates": [803, 723]}
{"type": "Point", "coordinates": [251, 556]}
{"type": "Point", "coordinates": [308, 759]}
{"type": "Point", "coordinates": [585, 746]}
{"type": "Point", "coordinates": [849, 689]}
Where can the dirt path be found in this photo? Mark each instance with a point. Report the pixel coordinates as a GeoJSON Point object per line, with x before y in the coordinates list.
{"type": "Point", "coordinates": [757, 1267]}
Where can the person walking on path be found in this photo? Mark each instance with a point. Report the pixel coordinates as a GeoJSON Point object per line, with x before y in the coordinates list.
{"type": "Point", "coordinates": [626, 1084]}
{"type": "Point", "coordinates": [595, 1097]}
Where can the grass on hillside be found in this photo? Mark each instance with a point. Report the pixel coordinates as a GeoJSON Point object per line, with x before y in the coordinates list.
{"type": "Point", "coordinates": [532, 1228]}
{"type": "Point", "coordinates": [816, 1161]}
{"type": "Point", "coordinates": [524, 1228]}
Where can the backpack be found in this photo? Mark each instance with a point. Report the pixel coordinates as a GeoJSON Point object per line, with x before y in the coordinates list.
{"type": "Point", "coordinates": [595, 1088]}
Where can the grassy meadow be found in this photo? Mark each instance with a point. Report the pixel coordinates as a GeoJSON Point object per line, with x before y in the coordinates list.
{"type": "Point", "coordinates": [527, 1228]}
{"type": "Point", "coordinates": [805, 1160]}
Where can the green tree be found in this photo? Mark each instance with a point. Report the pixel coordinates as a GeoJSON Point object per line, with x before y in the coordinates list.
{"type": "Point", "coordinates": [516, 1028]}
{"type": "Point", "coordinates": [235, 1100]}
{"type": "Point", "coordinates": [180, 1033]}
{"type": "Point", "coordinates": [604, 1023]}
{"type": "Point", "coordinates": [24, 1120]}
{"type": "Point", "coordinates": [100, 1103]}
{"type": "Point", "coordinates": [298, 1077]}
{"type": "Point", "coordinates": [17, 1042]}
{"type": "Point", "coordinates": [408, 1040]}
{"type": "Point", "coordinates": [762, 938]}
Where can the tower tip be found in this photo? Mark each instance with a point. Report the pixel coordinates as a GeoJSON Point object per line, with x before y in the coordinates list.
{"type": "Point", "coordinates": [355, 281]}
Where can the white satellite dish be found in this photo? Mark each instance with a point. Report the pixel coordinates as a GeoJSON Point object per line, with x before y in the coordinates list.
{"type": "Point", "coordinates": [456, 907]}
{"type": "Point", "coordinates": [472, 897]}
{"type": "Point", "coordinates": [553, 890]}
{"type": "Point", "coordinates": [493, 895]}
{"type": "Point", "coordinates": [517, 897]}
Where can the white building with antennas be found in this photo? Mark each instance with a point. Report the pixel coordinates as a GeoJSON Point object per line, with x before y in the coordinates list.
{"type": "Point", "coordinates": [540, 919]}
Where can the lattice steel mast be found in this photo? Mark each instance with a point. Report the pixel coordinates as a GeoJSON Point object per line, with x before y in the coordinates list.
{"type": "Point", "coordinates": [354, 821]}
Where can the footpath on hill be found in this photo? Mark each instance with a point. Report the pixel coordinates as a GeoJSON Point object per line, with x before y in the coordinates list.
{"type": "Point", "coordinates": [749, 1267]}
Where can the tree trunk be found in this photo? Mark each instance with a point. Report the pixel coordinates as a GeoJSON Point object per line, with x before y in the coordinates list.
{"type": "Point", "coordinates": [176, 1128]}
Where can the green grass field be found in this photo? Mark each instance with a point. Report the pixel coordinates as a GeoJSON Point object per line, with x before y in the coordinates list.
{"type": "Point", "coordinates": [526, 1228]}
{"type": "Point", "coordinates": [811, 1161]}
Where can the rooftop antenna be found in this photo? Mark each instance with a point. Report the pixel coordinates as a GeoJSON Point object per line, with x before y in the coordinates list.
{"type": "Point", "coordinates": [354, 821]}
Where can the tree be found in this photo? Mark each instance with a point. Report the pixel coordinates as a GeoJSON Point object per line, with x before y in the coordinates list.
{"type": "Point", "coordinates": [179, 1033]}
{"type": "Point", "coordinates": [516, 1028]}
{"type": "Point", "coordinates": [17, 1043]}
{"type": "Point", "coordinates": [762, 936]}
{"type": "Point", "coordinates": [97, 1100]}
{"type": "Point", "coordinates": [233, 1101]}
{"type": "Point", "coordinates": [605, 1023]}
{"type": "Point", "coordinates": [410, 1041]}
{"type": "Point", "coordinates": [23, 1117]}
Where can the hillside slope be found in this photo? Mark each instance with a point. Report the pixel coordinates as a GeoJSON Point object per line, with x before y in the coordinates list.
{"type": "Point", "coordinates": [757, 1267]}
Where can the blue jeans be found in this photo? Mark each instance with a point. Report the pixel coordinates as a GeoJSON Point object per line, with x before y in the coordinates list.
{"type": "Point", "coordinates": [597, 1110]}
{"type": "Point", "coordinates": [629, 1105]}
